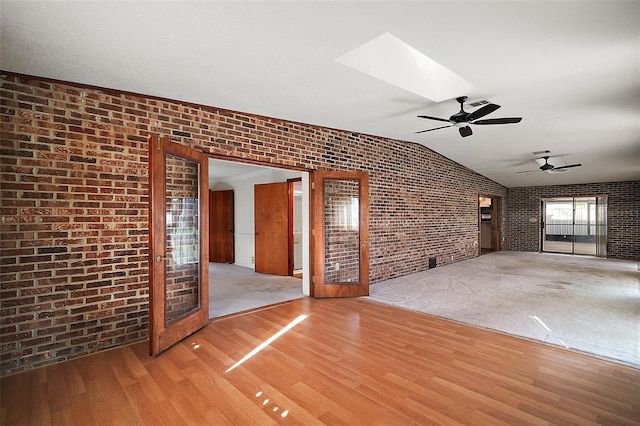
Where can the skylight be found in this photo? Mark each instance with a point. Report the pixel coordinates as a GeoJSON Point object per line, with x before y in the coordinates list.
{"type": "Point", "coordinates": [393, 61]}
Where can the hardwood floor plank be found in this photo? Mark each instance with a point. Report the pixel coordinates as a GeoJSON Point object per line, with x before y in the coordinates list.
{"type": "Point", "coordinates": [428, 413]}
{"type": "Point", "coordinates": [495, 407]}
{"type": "Point", "coordinates": [351, 361]}
{"type": "Point", "coordinates": [556, 417]}
{"type": "Point", "coordinates": [271, 399]}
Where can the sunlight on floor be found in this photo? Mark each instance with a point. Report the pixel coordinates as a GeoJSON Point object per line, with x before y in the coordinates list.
{"type": "Point", "coordinates": [267, 342]}
{"type": "Point", "coordinates": [549, 332]}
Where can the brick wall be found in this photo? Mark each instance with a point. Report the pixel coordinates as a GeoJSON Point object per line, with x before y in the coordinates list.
{"type": "Point", "coordinates": [74, 230]}
{"type": "Point", "coordinates": [623, 215]}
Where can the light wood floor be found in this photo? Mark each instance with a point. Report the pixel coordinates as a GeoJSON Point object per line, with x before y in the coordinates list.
{"type": "Point", "coordinates": [351, 361]}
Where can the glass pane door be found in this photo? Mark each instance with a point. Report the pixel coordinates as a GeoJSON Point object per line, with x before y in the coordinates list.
{"type": "Point", "coordinates": [570, 225]}
{"type": "Point", "coordinates": [179, 245]}
{"type": "Point", "coordinates": [341, 234]}
{"type": "Point", "coordinates": [557, 236]}
{"type": "Point", "coordinates": [601, 225]}
{"type": "Point", "coordinates": [584, 230]}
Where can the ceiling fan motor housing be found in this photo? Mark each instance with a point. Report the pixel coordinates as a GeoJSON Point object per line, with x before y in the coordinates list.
{"type": "Point", "coordinates": [546, 166]}
{"type": "Point", "coordinates": [459, 117]}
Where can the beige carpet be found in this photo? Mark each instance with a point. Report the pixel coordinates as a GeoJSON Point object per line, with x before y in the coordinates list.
{"type": "Point", "coordinates": [582, 303]}
{"type": "Point", "coordinates": [234, 288]}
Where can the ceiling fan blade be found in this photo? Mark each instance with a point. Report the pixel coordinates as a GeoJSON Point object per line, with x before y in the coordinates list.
{"type": "Point", "coordinates": [487, 109]}
{"type": "Point", "coordinates": [433, 118]}
{"type": "Point", "coordinates": [437, 128]}
{"type": "Point", "coordinates": [530, 171]}
{"type": "Point", "coordinates": [567, 167]}
{"type": "Point", "coordinates": [508, 120]}
{"type": "Point", "coordinates": [465, 131]}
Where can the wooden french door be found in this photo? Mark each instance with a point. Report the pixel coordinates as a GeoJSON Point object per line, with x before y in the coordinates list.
{"type": "Point", "coordinates": [271, 221]}
{"type": "Point", "coordinates": [178, 242]}
{"type": "Point", "coordinates": [340, 234]}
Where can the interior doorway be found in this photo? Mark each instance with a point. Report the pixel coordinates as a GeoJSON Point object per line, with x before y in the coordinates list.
{"type": "Point", "coordinates": [488, 220]}
{"type": "Point", "coordinates": [237, 286]}
{"type": "Point", "coordinates": [574, 225]}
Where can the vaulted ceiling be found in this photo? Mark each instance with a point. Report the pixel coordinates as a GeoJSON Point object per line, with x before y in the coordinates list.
{"type": "Point", "coordinates": [570, 69]}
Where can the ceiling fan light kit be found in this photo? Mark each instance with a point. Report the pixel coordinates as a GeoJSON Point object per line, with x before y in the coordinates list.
{"type": "Point", "coordinates": [465, 131]}
{"type": "Point", "coordinates": [463, 119]}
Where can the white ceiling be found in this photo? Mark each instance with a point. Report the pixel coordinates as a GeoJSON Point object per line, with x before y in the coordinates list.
{"type": "Point", "coordinates": [570, 69]}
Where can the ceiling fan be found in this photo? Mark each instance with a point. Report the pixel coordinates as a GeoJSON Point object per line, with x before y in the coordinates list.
{"type": "Point", "coordinates": [462, 119]}
{"type": "Point", "coordinates": [546, 167]}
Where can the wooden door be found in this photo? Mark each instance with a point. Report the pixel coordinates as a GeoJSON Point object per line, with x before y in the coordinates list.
{"type": "Point", "coordinates": [221, 227]}
{"type": "Point", "coordinates": [271, 207]}
{"type": "Point", "coordinates": [178, 248]}
{"type": "Point", "coordinates": [340, 234]}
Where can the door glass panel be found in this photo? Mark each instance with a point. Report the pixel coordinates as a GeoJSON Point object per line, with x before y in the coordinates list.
{"type": "Point", "coordinates": [601, 226]}
{"type": "Point", "coordinates": [558, 229]}
{"type": "Point", "coordinates": [584, 231]}
{"type": "Point", "coordinates": [182, 264]}
{"type": "Point", "coordinates": [341, 231]}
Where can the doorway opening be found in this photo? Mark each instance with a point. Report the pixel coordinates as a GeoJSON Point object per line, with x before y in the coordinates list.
{"type": "Point", "coordinates": [241, 284]}
{"type": "Point", "coordinates": [574, 225]}
{"type": "Point", "coordinates": [488, 220]}
{"type": "Point", "coordinates": [180, 183]}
